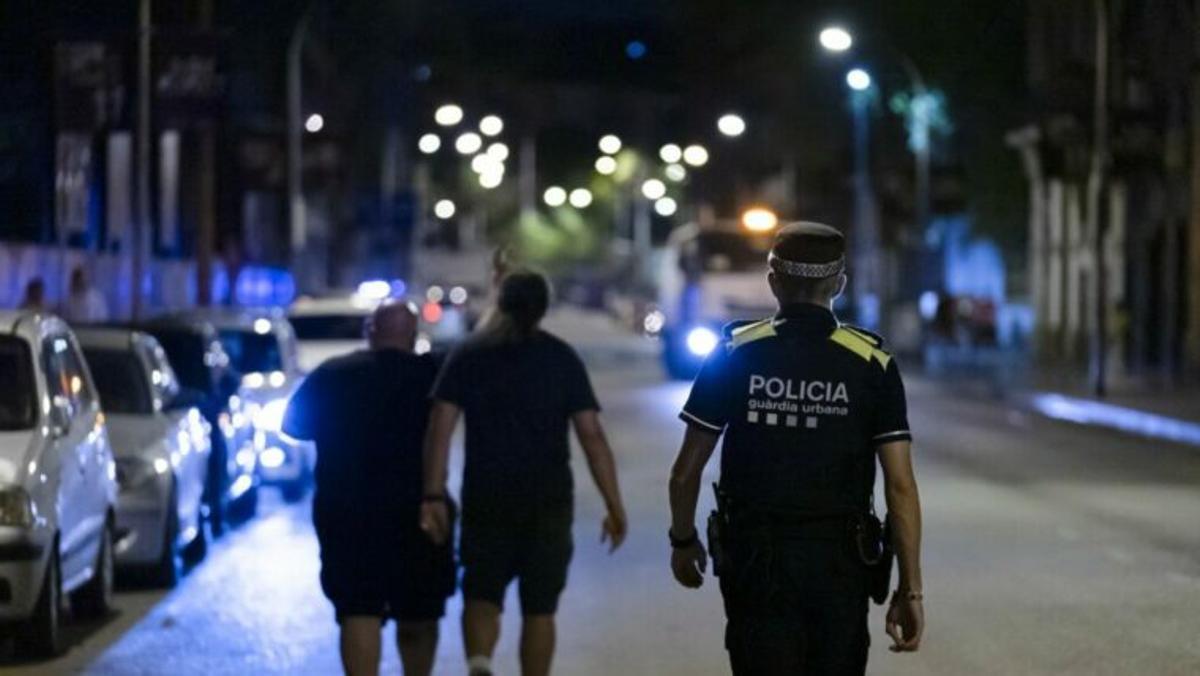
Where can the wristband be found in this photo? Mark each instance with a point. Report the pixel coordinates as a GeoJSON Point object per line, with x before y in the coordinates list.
{"type": "Point", "coordinates": [685, 542]}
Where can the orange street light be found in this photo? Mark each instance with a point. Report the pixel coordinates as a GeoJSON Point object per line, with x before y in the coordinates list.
{"type": "Point", "coordinates": [759, 219]}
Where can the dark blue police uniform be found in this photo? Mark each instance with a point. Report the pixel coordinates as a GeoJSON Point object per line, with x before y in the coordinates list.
{"type": "Point", "coordinates": [802, 402]}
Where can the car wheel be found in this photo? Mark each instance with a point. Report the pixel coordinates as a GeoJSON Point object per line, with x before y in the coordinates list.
{"type": "Point", "coordinates": [95, 598]}
{"type": "Point", "coordinates": [41, 637]}
{"type": "Point", "coordinates": [166, 570]}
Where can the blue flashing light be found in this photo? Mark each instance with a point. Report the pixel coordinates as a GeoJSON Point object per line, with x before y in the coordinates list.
{"type": "Point", "coordinates": [635, 50]}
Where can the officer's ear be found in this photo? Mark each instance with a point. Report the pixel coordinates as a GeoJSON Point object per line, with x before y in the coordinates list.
{"type": "Point", "coordinates": [773, 282]}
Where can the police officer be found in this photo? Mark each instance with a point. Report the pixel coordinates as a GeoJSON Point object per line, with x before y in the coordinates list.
{"type": "Point", "coordinates": [805, 405]}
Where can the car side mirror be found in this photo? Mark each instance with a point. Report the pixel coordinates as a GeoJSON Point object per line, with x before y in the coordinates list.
{"type": "Point", "coordinates": [187, 397]}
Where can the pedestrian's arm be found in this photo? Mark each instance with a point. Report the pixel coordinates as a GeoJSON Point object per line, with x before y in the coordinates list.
{"type": "Point", "coordinates": [697, 448]}
{"type": "Point", "coordinates": [601, 462]}
{"type": "Point", "coordinates": [904, 510]}
{"type": "Point", "coordinates": [443, 417]}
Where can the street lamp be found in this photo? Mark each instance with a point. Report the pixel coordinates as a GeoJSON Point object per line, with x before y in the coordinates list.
{"type": "Point", "coordinates": [670, 153]}
{"type": "Point", "coordinates": [858, 79]}
{"type": "Point", "coordinates": [835, 39]}
{"type": "Point", "coordinates": [448, 115]}
{"type": "Point", "coordinates": [314, 123]}
{"type": "Point", "coordinates": [429, 144]}
{"type": "Point", "coordinates": [554, 196]}
{"type": "Point", "coordinates": [498, 152]}
{"type": "Point", "coordinates": [675, 172]}
{"type": "Point", "coordinates": [759, 219]}
{"type": "Point", "coordinates": [610, 144]}
{"type": "Point", "coordinates": [491, 125]}
{"type": "Point", "coordinates": [580, 198]}
{"type": "Point", "coordinates": [695, 155]}
{"type": "Point", "coordinates": [731, 125]}
{"type": "Point", "coordinates": [606, 165]}
{"type": "Point", "coordinates": [468, 144]}
{"type": "Point", "coordinates": [665, 206]}
{"type": "Point", "coordinates": [444, 209]}
{"type": "Point", "coordinates": [654, 189]}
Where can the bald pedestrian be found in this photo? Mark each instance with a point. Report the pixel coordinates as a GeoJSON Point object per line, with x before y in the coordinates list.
{"type": "Point", "coordinates": [367, 413]}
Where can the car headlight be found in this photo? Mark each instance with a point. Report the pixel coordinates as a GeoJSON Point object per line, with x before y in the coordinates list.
{"type": "Point", "coordinates": [270, 416]}
{"type": "Point", "coordinates": [701, 341]}
{"type": "Point", "coordinates": [16, 507]}
{"type": "Point", "coordinates": [135, 472]}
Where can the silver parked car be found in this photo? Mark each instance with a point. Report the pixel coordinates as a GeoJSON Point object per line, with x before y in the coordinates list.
{"type": "Point", "coordinates": [58, 486]}
{"type": "Point", "coordinates": [162, 445]}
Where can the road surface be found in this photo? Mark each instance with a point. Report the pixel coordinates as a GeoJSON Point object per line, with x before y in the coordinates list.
{"type": "Point", "coordinates": [1049, 549]}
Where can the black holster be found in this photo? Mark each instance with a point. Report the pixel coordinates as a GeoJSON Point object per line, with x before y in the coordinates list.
{"type": "Point", "coordinates": [718, 522]}
{"type": "Point", "coordinates": [872, 542]}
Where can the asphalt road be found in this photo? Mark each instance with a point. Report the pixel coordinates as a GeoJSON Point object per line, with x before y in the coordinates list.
{"type": "Point", "coordinates": [1049, 549]}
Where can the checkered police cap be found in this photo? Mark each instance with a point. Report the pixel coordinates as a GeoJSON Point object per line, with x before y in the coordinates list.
{"type": "Point", "coordinates": [810, 250]}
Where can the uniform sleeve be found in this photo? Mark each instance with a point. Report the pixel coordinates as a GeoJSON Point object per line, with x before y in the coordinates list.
{"type": "Point", "coordinates": [450, 385]}
{"type": "Point", "coordinates": [579, 392]}
{"type": "Point", "coordinates": [707, 406]}
{"type": "Point", "coordinates": [891, 420]}
{"type": "Point", "coordinates": [300, 419]}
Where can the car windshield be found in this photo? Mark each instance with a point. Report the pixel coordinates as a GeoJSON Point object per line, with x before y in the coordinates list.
{"type": "Point", "coordinates": [186, 350]}
{"type": "Point", "coordinates": [17, 397]}
{"type": "Point", "coordinates": [121, 380]}
{"type": "Point", "coordinates": [723, 252]}
{"type": "Point", "coordinates": [251, 352]}
{"type": "Point", "coordinates": [328, 327]}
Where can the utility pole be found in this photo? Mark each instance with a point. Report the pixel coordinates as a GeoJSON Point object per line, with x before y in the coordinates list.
{"type": "Point", "coordinates": [295, 159]}
{"type": "Point", "coordinates": [1096, 203]}
{"type": "Point", "coordinates": [206, 231]}
{"type": "Point", "coordinates": [141, 225]}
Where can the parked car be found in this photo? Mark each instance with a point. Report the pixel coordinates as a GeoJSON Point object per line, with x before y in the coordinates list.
{"type": "Point", "coordinates": [162, 445]}
{"type": "Point", "coordinates": [58, 486]}
{"type": "Point", "coordinates": [200, 362]}
{"type": "Point", "coordinates": [330, 326]}
{"type": "Point", "coordinates": [262, 347]}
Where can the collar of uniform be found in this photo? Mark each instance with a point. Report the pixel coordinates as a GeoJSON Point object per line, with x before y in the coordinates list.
{"type": "Point", "coordinates": [807, 315]}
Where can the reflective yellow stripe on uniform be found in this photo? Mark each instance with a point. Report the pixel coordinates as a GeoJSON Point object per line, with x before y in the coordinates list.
{"type": "Point", "coordinates": [861, 345]}
{"type": "Point", "coordinates": [751, 332]}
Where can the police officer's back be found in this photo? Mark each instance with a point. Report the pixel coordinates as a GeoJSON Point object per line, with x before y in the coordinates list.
{"type": "Point", "coordinates": [805, 404]}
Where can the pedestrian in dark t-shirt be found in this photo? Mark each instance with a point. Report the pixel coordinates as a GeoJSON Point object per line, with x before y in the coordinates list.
{"type": "Point", "coordinates": [519, 389]}
{"type": "Point", "coordinates": [367, 414]}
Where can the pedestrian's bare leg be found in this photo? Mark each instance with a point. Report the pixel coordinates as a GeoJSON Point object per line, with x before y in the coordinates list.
{"type": "Point", "coordinates": [418, 646]}
{"type": "Point", "coordinates": [360, 645]}
{"type": "Point", "coordinates": [481, 628]}
{"type": "Point", "coordinates": [537, 645]}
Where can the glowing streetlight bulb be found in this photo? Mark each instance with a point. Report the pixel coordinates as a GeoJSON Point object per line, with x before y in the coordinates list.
{"type": "Point", "coordinates": [654, 189]}
{"type": "Point", "coordinates": [468, 144]}
{"type": "Point", "coordinates": [731, 125]}
{"type": "Point", "coordinates": [448, 115]}
{"type": "Point", "coordinates": [483, 163]}
{"type": "Point", "coordinates": [429, 144]}
{"type": "Point", "coordinates": [759, 219]}
{"type": "Point", "coordinates": [835, 39]}
{"type": "Point", "coordinates": [858, 79]}
{"type": "Point", "coordinates": [610, 144]}
{"type": "Point", "coordinates": [670, 153]}
{"type": "Point", "coordinates": [314, 123]}
{"type": "Point", "coordinates": [606, 165]}
{"type": "Point", "coordinates": [491, 125]}
{"type": "Point", "coordinates": [580, 198]}
{"type": "Point", "coordinates": [444, 209]}
{"type": "Point", "coordinates": [695, 155]}
{"type": "Point", "coordinates": [554, 196]}
{"type": "Point", "coordinates": [492, 178]}
{"type": "Point", "coordinates": [665, 206]}
{"type": "Point", "coordinates": [675, 172]}
{"type": "Point", "coordinates": [498, 152]}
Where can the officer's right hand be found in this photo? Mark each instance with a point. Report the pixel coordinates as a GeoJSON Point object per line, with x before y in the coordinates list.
{"type": "Point", "coordinates": [435, 520]}
{"type": "Point", "coordinates": [689, 564]}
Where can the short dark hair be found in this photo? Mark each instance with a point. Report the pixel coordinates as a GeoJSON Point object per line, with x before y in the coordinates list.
{"type": "Point", "coordinates": [524, 298]}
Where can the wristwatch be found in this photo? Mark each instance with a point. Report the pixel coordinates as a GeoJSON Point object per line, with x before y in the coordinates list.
{"type": "Point", "coordinates": [685, 542]}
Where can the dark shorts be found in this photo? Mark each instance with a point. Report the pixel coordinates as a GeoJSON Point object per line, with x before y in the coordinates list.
{"type": "Point", "coordinates": [795, 607]}
{"type": "Point", "coordinates": [403, 577]}
{"type": "Point", "coordinates": [532, 546]}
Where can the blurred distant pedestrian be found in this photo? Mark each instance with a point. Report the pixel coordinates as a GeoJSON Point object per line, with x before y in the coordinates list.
{"type": "Point", "coordinates": [367, 414]}
{"type": "Point", "coordinates": [519, 389]}
{"type": "Point", "coordinates": [84, 303]}
{"type": "Point", "coordinates": [35, 296]}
